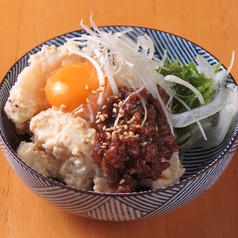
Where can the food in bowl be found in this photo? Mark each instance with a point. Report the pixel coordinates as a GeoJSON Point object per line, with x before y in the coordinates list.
{"type": "Point", "coordinates": [107, 137]}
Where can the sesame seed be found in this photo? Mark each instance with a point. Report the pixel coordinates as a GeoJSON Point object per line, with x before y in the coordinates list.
{"type": "Point", "coordinates": [102, 84]}
{"type": "Point", "coordinates": [114, 135]}
{"type": "Point", "coordinates": [104, 128]}
{"type": "Point", "coordinates": [122, 181]}
{"type": "Point", "coordinates": [86, 87]}
{"type": "Point", "coordinates": [98, 121]}
{"type": "Point", "coordinates": [83, 125]}
{"type": "Point", "coordinates": [105, 115]}
{"type": "Point", "coordinates": [122, 122]}
{"type": "Point", "coordinates": [114, 110]}
{"type": "Point", "coordinates": [104, 143]}
{"type": "Point", "coordinates": [102, 117]}
{"type": "Point", "coordinates": [87, 100]}
{"type": "Point", "coordinates": [126, 127]}
{"type": "Point", "coordinates": [94, 92]}
{"type": "Point", "coordinates": [113, 129]}
{"type": "Point", "coordinates": [145, 143]}
{"type": "Point", "coordinates": [122, 115]}
{"type": "Point", "coordinates": [99, 90]}
{"type": "Point", "coordinates": [137, 135]}
{"type": "Point", "coordinates": [132, 120]}
{"type": "Point", "coordinates": [103, 146]}
{"type": "Point", "coordinates": [62, 106]}
{"type": "Point", "coordinates": [138, 126]}
{"type": "Point", "coordinates": [121, 137]}
{"type": "Point", "coordinates": [104, 106]}
{"type": "Point", "coordinates": [115, 105]}
{"type": "Point", "coordinates": [122, 111]}
{"type": "Point", "coordinates": [120, 104]}
{"type": "Point", "coordinates": [114, 96]}
{"type": "Point", "coordinates": [125, 133]}
{"type": "Point", "coordinates": [86, 141]}
{"type": "Point", "coordinates": [132, 171]}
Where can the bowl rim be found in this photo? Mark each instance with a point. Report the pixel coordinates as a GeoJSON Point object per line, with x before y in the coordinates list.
{"type": "Point", "coordinates": [153, 191]}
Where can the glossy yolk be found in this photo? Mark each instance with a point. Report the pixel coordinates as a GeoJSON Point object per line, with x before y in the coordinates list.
{"type": "Point", "coordinates": [75, 85]}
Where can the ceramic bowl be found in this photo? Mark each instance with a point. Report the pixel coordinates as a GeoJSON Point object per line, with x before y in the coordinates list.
{"type": "Point", "coordinates": [203, 167]}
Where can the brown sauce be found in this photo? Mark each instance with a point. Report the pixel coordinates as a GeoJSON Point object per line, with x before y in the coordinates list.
{"type": "Point", "coordinates": [129, 152]}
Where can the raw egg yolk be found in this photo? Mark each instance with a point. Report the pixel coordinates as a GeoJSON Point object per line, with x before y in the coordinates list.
{"type": "Point", "coordinates": [75, 85]}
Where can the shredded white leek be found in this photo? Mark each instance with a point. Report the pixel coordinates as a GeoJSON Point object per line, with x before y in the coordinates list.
{"type": "Point", "coordinates": [186, 118]}
{"type": "Point", "coordinates": [207, 68]}
{"type": "Point", "coordinates": [189, 109]}
{"type": "Point", "coordinates": [175, 79]}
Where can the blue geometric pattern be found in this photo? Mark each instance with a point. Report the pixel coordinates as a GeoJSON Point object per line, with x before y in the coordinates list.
{"type": "Point", "coordinates": [203, 167]}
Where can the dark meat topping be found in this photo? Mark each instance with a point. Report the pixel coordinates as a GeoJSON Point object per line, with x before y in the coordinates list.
{"type": "Point", "coordinates": [129, 152]}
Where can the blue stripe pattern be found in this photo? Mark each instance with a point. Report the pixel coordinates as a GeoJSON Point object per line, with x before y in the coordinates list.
{"type": "Point", "coordinates": [203, 166]}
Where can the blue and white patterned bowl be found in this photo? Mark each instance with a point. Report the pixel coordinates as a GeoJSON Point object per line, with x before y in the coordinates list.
{"type": "Point", "coordinates": [203, 167]}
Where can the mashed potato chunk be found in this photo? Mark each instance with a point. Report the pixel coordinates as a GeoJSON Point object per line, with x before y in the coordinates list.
{"type": "Point", "coordinates": [34, 156]}
{"type": "Point", "coordinates": [62, 147]}
{"type": "Point", "coordinates": [62, 134]}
